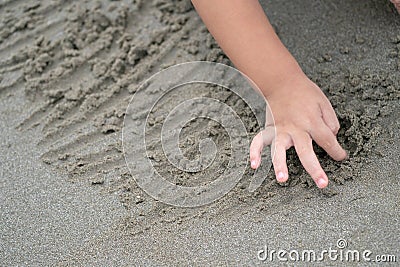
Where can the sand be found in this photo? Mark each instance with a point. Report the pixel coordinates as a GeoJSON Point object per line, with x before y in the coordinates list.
{"type": "Point", "coordinates": [67, 73]}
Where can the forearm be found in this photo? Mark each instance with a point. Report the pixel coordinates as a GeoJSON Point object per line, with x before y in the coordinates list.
{"type": "Point", "coordinates": [243, 31]}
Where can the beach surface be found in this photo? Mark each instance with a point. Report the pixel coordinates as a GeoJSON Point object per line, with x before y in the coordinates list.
{"type": "Point", "coordinates": [68, 70]}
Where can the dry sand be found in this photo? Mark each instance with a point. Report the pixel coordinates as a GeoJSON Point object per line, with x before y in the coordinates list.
{"type": "Point", "coordinates": [67, 72]}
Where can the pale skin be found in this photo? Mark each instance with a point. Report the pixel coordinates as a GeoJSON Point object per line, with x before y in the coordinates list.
{"type": "Point", "coordinates": [301, 111]}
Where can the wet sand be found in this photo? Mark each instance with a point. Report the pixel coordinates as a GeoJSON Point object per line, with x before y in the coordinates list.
{"type": "Point", "coordinates": [67, 72]}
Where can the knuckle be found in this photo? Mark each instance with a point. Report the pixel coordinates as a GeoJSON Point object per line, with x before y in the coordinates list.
{"type": "Point", "coordinates": [314, 120]}
{"type": "Point", "coordinates": [335, 128]}
{"type": "Point", "coordinates": [308, 122]}
{"type": "Point", "coordinates": [327, 145]}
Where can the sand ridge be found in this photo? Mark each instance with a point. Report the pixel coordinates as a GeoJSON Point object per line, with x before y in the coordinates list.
{"type": "Point", "coordinates": [81, 62]}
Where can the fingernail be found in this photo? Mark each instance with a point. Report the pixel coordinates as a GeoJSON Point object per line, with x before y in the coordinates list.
{"type": "Point", "coordinates": [253, 164]}
{"type": "Point", "coordinates": [322, 183]}
{"type": "Point", "coordinates": [280, 176]}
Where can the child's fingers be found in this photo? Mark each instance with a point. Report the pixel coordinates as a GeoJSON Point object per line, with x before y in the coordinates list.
{"type": "Point", "coordinates": [327, 140]}
{"type": "Point", "coordinates": [329, 117]}
{"type": "Point", "coordinates": [278, 153]}
{"type": "Point", "coordinates": [303, 145]}
{"type": "Point", "coordinates": [263, 138]}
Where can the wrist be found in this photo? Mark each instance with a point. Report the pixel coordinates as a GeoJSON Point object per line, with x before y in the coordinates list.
{"type": "Point", "coordinates": [281, 77]}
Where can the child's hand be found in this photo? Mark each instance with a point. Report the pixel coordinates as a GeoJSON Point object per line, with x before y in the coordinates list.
{"type": "Point", "coordinates": [302, 113]}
